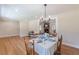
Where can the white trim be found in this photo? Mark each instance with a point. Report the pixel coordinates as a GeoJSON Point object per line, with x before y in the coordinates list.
{"type": "Point", "coordinates": [9, 35]}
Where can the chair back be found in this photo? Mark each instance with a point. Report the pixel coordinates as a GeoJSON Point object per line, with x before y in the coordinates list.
{"type": "Point", "coordinates": [59, 43]}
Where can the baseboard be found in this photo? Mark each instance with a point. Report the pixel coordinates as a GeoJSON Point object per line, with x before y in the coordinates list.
{"type": "Point", "coordinates": [74, 46]}
{"type": "Point", "coordinates": [9, 36]}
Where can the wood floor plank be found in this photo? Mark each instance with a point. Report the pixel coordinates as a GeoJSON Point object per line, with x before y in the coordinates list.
{"type": "Point", "coordinates": [67, 50]}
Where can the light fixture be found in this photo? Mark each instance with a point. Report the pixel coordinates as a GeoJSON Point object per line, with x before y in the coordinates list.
{"type": "Point", "coordinates": [49, 20]}
{"type": "Point", "coordinates": [44, 18]}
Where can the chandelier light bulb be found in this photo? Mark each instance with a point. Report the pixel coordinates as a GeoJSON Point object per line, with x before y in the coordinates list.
{"type": "Point", "coordinates": [49, 16]}
{"type": "Point", "coordinates": [42, 17]}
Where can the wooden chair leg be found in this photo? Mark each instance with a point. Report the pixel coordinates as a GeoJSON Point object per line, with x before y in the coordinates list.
{"type": "Point", "coordinates": [33, 48]}
{"type": "Point", "coordinates": [57, 53]}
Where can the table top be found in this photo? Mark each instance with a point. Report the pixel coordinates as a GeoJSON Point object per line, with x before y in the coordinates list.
{"type": "Point", "coordinates": [46, 43]}
{"type": "Point", "coordinates": [45, 47]}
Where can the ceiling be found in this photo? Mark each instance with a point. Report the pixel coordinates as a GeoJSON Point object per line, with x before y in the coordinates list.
{"type": "Point", "coordinates": [34, 11]}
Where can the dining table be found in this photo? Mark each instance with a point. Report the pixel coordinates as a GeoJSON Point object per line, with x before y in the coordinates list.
{"type": "Point", "coordinates": [44, 47]}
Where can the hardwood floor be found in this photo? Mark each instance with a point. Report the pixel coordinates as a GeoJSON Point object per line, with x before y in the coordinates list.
{"type": "Point", "coordinates": [12, 46]}
{"type": "Point", "coordinates": [67, 50]}
{"type": "Point", "coordinates": [16, 46]}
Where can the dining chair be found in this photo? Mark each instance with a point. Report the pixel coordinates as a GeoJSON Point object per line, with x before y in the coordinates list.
{"type": "Point", "coordinates": [59, 43]}
{"type": "Point", "coordinates": [30, 48]}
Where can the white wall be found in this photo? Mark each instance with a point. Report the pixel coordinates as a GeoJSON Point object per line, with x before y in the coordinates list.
{"type": "Point", "coordinates": [24, 28]}
{"type": "Point", "coordinates": [8, 28]}
{"type": "Point", "coordinates": [34, 25]}
{"type": "Point", "coordinates": [28, 25]}
{"type": "Point", "coordinates": [69, 27]}
{"type": "Point", "coordinates": [0, 10]}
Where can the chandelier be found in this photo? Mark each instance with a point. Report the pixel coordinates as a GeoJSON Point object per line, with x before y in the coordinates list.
{"type": "Point", "coordinates": [47, 20]}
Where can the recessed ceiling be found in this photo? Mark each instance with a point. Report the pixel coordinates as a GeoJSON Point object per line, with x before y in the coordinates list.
{"type": "Point", "coordinates": [34, 11]}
